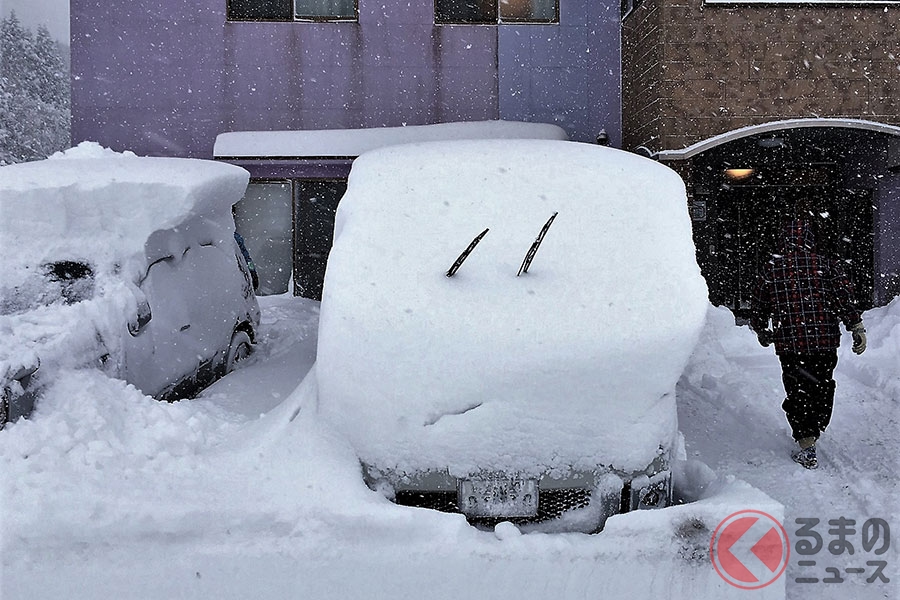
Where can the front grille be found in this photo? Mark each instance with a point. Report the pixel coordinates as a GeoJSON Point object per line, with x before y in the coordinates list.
{"type": "Point", "coordinates": [442, 501]}
{"type": "Point", "coordinates": [552, 504]}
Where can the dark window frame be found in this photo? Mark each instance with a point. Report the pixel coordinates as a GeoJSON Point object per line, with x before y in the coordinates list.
{"type": "Point", "coordinates": [303, 254]}
{"type": "Point", "coordinates": [629, 6]}
{"type": "Point", "coordinates": [496, 18]}
{"type": "Point", "coordinates": [282, 11]}
{"type": "Point", "coordinates": [327, 19]}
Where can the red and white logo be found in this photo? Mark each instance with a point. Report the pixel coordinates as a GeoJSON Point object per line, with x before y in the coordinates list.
{"type": "Point", "coordinates": [750, 549]}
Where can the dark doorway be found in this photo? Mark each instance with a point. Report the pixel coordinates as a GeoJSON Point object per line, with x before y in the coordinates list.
{"type": "Point", "coordinates": [315, 203]}
{"type": "Point", "coordinates": [747, 231]}
{"type": "Point", "coordinates": [795, 173]}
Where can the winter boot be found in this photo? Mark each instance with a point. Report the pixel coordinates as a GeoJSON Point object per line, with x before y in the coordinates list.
{"type": "Point", "coordinates": [805, 456]}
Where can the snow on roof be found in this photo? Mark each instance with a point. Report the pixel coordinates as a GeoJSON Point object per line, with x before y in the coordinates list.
{"type": "Point", "coordinates": [572, 364]}
{"type": "Point", "coordinates": [717, 140]}
{"type": "Point", "coordinates": [91, 202]}
{"type": "Point", "coordinates": [353, 142]}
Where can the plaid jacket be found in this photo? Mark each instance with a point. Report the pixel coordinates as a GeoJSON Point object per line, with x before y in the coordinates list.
{"type": "Point", "coordinates": [806, 296]}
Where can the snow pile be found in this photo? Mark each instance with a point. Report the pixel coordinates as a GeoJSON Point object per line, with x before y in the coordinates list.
{"type": "Point", "coordinates": [353, 142]}
{"type": "Point", "coordinates": [879, 366]}
{"type": "Point", "coordinates": [89, 149]}
{"type": "Point", "coordinates": [729, 366]}
{"type": "Point", "coordinates": [129, 497]}
{"type": "Point", "coordinates": [571, 365]}
{"type": "Point", "coordinates": [111, 461]}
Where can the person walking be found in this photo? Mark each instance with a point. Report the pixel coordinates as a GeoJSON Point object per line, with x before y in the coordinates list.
{"type": "Point", "coordinates": [799, 302]}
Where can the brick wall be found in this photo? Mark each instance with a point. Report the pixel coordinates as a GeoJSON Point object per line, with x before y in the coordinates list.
{"type": "Point", "coordinates": [641, 75]}
{"type": "Point", "coordinates": [691, 71]}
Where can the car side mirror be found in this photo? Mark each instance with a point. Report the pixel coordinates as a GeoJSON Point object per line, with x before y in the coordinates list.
{"type": "Point", "coordinates": [137, 323]}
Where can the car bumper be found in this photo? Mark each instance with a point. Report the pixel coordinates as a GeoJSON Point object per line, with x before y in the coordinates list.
{"type": "Point", "coordinates": [589, 496]}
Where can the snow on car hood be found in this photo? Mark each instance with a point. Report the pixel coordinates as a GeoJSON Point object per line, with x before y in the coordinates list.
{"type": "Point", "coordinates": [571, 365]}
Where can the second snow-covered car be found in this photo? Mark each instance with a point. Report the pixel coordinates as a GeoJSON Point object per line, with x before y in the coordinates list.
{"type": "Point", "coordinates": [124, 263]}
{"type": "Point", "coordinates": [503, 324]}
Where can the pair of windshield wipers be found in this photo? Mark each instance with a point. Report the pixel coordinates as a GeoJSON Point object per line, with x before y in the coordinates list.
{"type": "Point", "coordinates": [529, 256]}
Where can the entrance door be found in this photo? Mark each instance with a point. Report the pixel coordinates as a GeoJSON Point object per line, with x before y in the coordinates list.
{"type": "Point", "coordinates": [748, 230]}
{"type": "Point", "coordinates": [315, 206]}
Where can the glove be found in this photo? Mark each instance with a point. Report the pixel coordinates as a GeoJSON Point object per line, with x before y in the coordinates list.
{"type": "Point", "coordinates": [765, 337]}
{"type": "Point", "coordinates": [858, 332]}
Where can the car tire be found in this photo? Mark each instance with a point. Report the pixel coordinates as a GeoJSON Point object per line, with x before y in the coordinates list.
{"type": "Point", "coordinates": [240, 349]}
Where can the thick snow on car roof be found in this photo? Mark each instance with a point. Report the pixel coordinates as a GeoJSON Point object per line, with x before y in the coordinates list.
{"type": "Point", "coordinates": [98, 205]}
{"type": "Point", "coordinates": [572, 364]}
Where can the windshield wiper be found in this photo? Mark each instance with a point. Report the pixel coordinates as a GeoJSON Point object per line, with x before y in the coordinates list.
{"type": "Point", "coordinates": [465, 254]}
{"type": "Point", "coordinates": [529, 256]}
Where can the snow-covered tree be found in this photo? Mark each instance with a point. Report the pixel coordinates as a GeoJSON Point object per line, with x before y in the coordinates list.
{"type": "Point", "coordinates": [34, 94]}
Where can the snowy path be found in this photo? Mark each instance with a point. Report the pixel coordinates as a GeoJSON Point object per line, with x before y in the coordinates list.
{"type": "Point", "coordinates": [730, 414]}
{"type": "Point", "coordinates": [286, 349]}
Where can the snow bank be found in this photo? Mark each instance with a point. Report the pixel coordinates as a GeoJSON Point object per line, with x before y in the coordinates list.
{"type": "Point", "coordinates": [181, 500]}
{"type": "Point", "coordinates": [129, 497]}
{"type": "Point", "coordinates": [879, 365]}
{"type": "Point", "coordinates": [727, 354]}
{"type": "Point", "coordinates": [571, 365]}
{"type": "Point", "coordinates": [353, 142]}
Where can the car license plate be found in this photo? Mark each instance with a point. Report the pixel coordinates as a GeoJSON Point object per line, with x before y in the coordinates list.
{"type": "Point", "coordinates": [500, 496]}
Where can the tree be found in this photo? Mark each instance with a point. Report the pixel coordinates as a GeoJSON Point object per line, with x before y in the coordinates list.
{"type": "Point", "coordinates": [34, 94]}
{"type": "Point", "coordinates": [51, 78]}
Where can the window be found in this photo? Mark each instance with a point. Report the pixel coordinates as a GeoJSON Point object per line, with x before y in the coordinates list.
{"type": "Point", "coordinates": [290, 10]}
{"type": "Point", "coordinates": [259, 10]}
{"type": "Point", "coordinates": [494, 11]}
{"type": "Point", "coordinates": [629, 5]}
{"type": "Point", "coordinates": [325, 9]}
{"type": "Point", "coordinates": [263, 218]}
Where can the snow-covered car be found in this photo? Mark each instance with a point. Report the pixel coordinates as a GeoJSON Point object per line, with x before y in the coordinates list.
{"type": "Point", "coordinates": [503, 325]}
{"type": "Point", "coordinates": [125, 263]}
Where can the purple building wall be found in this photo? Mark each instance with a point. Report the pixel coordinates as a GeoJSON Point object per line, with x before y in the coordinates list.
{"type": "Point", "coordinates": [568, 74]}
{"type": "Point", "coordinates": [165, 77]}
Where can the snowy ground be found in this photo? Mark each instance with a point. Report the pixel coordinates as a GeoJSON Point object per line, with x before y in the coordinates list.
{"type": "Point", "coordinates": [109, 494]}
{"type": "Point", "coordinates": [729, 412]}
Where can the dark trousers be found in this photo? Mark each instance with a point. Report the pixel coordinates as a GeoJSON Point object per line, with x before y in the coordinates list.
{"type": "Point", "coordinates": [809, 386]}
